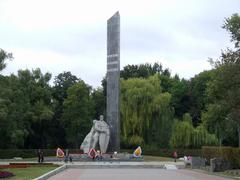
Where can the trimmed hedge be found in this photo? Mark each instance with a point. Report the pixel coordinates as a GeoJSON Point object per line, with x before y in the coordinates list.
{"type": "Point", "coordinates": [168, 152]}
{"type": "Point", "coordinates": [230, 154]}
{"type": "Point", "coordinates": [29, 153]}
{"type": "Point", "coordinates": [24, 153]}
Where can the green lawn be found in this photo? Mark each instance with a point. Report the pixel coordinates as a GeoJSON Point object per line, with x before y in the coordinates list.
{"type": "Point", "coordinates": [30, 172]}
{"type": "Point", "coordinates": [225, 173]}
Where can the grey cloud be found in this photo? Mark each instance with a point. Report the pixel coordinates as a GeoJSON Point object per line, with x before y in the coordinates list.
{"type": "Point", "coordinates": [189, 31]}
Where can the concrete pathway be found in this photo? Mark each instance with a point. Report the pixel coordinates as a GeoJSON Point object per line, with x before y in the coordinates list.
{"type": "Point", "coordinates": [132, 174]}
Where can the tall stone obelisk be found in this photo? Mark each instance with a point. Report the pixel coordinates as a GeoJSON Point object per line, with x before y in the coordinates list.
{"type": "Point", "coordinates": [113, 85]}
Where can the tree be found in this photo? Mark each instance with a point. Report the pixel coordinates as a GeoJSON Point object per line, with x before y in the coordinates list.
{"type": "Point", "coordinates": [99, 102]}
{"type": "Point", "coordinates": [198, 94]}
{"type": "Point", "coordinates": [62, 83]}
{"type": "Point", "coordinates": [146, 114]}
{"type": "Point", "coordinates": [179, 90]}
{"type": "Point", "coordinates": [215, 121]}
{"type": "Point", "coordinates": [77, 113]}
{"type": "Point", "coordinates": [6, 126]}
{"type": "Point", "coordinates": [35, 107]}
{"type": "Point", "coordinates": [232, 25]}
{"type": "Point", "coordinates": [184, 135]}
{"type": "Point", "coordinates": [142, 70]}
{"type": "Point", "coordinates": [3, 57]}
{"type": "Point", "coordinates": [224, 90]}
{"type": "Point", "coordinates": [25, 109]}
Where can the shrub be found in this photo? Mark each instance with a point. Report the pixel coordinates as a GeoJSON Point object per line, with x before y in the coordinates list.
{"type": "Point", "coordinates": [29, 153]}
{"type": "Point", "coordinates": [5, 174]}
{"type": "Point", "coordinates": [228, 153]}
{"type": "Point", "coordinates": [184, 135]}
{"type": "Point", "coordinates": [167, 152]}
{"type": "Point", "coordinates": [136, 140]}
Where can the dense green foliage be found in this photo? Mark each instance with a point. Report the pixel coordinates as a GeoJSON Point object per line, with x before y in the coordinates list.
{"type": "Point", "coordinates": [146, 112]}
{"type": "Point", "coordinates": [143, 71]}
{"type": "Point", "coordinates": [77, 113]}
{"type": "Point", "coordinates": [184, 135]}
{"type": "Point", "coordinates": [26, 109]}
{"type": "Point", "coordinates": [3, 57]}
{"type": "Point", "coordinates": [158, 109]}
{"type": "Point", "coordinates": [223, 111]}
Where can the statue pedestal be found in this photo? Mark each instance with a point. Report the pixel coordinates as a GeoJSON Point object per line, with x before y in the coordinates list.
{"type": "Point", "coordinates": [105, 157]}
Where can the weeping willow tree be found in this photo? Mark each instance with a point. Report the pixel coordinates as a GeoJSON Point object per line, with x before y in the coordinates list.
{"type": "Point", "coordinates": [184, 135]}
{"type": "Point", "coordinates": [146, 115]}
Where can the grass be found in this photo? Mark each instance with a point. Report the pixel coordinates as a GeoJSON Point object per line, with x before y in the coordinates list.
{"type": "Point", "coordinates": [157, 158]}
{"type": "Point", "coordinates": [228, 174]}
{"type": "Point", "coordinates": [29, 172]}
{"type": "Point", "coordinates": [221, 174]}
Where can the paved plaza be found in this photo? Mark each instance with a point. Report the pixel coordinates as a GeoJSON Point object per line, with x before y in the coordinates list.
{"type": "Point", "coordinates": [132, 174]}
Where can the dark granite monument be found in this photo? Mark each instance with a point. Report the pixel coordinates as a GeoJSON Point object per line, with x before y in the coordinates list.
{"type": "Point", "coordinates": [113, 85]}
{"type": "Point", "coordinates": [219, 165]}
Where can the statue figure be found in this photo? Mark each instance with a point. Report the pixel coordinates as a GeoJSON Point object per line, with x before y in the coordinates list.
{"type": "Point", "coordinates": [87, 142]}
{"type": "Point", "coordinates": [99, 135]}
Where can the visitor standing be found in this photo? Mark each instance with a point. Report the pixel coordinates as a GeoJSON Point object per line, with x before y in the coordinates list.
{"type": "Point", "coordinates": [175, 155]}
{"type": "Point", "coordinates": [40, 156]}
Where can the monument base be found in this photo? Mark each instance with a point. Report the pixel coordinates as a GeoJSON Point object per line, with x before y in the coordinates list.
{"type": "Point", "coordinates": [105, 157]}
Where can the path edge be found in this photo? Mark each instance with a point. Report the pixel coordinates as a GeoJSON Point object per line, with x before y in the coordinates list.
{"type": "Point", "coordinates": [51, 173]}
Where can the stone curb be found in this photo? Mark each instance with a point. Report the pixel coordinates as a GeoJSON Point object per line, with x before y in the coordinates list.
{"type": "Point", "coordinates": [51, 173]}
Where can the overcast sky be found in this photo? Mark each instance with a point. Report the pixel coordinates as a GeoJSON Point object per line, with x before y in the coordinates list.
{"type": "Point", "coordinates": [70, 35]}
